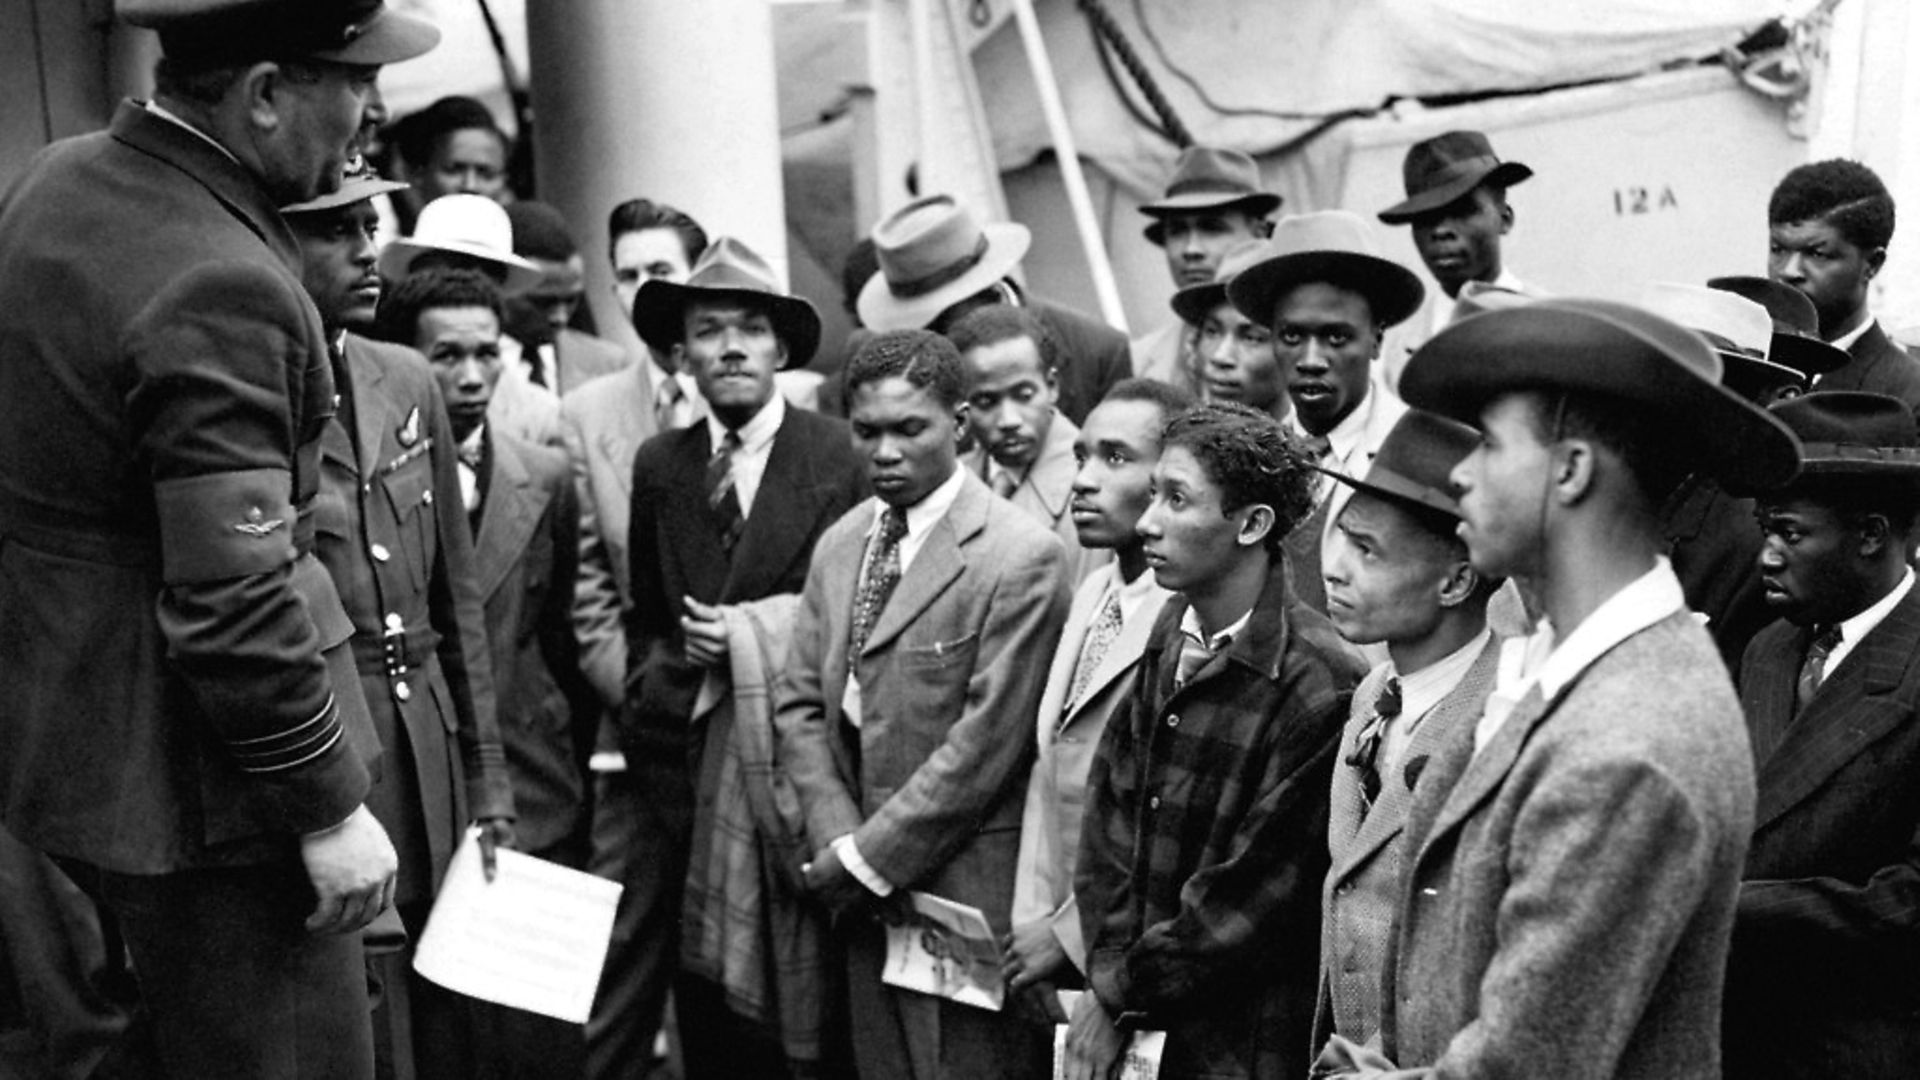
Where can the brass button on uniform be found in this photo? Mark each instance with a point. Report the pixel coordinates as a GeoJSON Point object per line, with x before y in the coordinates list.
{"type": "Point", "coordinates": [403, 691]}
{"type": "Point", "coordinates": [395, 623]}
{"type": "Point", "coordinates": [380, 552]}
{"type": "Point", "coordinates": [427, 497]}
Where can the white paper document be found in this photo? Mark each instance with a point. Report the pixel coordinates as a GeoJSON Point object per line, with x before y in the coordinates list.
{"type": "Point", "coordinates": [1140, 1062]}
{"type": "Point", "coordinates": [947, 950]}
{"type": "Point", "coordinates": [533, 938]}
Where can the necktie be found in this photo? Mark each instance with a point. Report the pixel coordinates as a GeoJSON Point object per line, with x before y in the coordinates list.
{"type": "Point", "coordinates": [536, 365]}
{"type": "Point", "coordinates": [1194, 654]}
{"type": "Point", "coordinates": [1004, 484]}
{"type": "Point", "coordinates": [1317, 447]}
{"type": "Point", "coordinates": [877, 578]}
{"type": "Point", "coordinates": [1814, 667]}
{"type": "Point", "coordinates": [1366, 748]}
{"type": "Point", "coordinates": [1106, 627]}
{"type": "Point", "coordinates": [722, 499]}
{"type": "Point", "coordinates": [666, 404]}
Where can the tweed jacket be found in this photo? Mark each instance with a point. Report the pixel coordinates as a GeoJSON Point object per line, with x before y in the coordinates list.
{"type": "Point", "coordinates": [1568, 891]}
{"type": "Point", "coordinates": [175, 685]}
{"type": "Point", "coordinates": [1824, 977]}
{"type": "Point", "coordinates": [1069, 733]}
{"type": "Point", "coordinates": [394, 537]}
{"type": "Point", "coordinates": [1204, 844]}
{"type": "Point", "coordinates": [584, 358]}
{"type": "Point", "coordinates": [525, 550]}
{"type": "Point", "coordinates": [1879, 365]}
{"type": "Point", "coordinates": [1363, 886]}
{"type": "Point", "coordinates": [527, 412]}
{"type": "Point", "coordinates": [1093, 356]}
{"type": "Point", "coordinates": [1046, 492]}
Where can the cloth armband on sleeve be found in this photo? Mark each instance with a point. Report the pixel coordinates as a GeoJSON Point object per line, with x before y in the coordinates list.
{"type": "Point", "coordinates": [225, 525]}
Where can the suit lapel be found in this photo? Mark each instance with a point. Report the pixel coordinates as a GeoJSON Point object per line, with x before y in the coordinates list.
{"type": "Point", "coordinates": [1845, 715]}
{"type": "Point", "coordinates": [1767, 679]}
{"type": "Point", "coordinates": [1487, 767]}
{"type": "Point", "coordinates": [1122, 654]}
{"type": "Point", "coordinates": [512, 510]}
{"type": "Point", "coordinates": [631, 424]}
{"type": "Point", "coordinates": [784, 509]}
{"type": "Point", "coordinates": [938, 564]}
{"type": "Point", "coordinates": [370, 406]}
{"type": "Point", "coordinates": [1051, 477]}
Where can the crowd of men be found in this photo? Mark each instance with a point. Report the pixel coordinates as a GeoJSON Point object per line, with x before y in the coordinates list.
{"type": "Point", "coordinates": [1342, 679]}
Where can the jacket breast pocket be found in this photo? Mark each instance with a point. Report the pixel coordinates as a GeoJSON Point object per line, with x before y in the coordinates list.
{"type": "Point", "coordinates": [409, 493]}
{"type": "Point", "coordinates": [933, 679]}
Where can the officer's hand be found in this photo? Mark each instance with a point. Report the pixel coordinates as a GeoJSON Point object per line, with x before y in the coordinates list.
{"type": "Point", "coordinates": [705, 633]}
{"type": "Point", "coordinates": [1094, 1045]}
{"type": "Point", "coordinates": [495, 833]}
{"type": "Point", "coordinates": [352, 867]}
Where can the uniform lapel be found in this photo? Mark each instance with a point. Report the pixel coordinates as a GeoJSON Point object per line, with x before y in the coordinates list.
{"type": "Point", "coordinates": [370, 406]}
{"type": "Point", "coordinates": [513, 507]}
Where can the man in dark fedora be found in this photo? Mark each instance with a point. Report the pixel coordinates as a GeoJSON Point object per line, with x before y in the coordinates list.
{"type": "Point", "coordinates": [1397, 575]}
{"type": "Point", "coordinates": [1328, 297]}
{"type": "Point", "coordinates": [1829, 224]}
{"type": "Point", "coordinates": [724, 517]}
{"type": "Point", "coordinates": [184, 728]}
{"type": "Point", "coordinates": [1213, 202]}
{"type": "Point", "coordinates": [937, 263]}
{"type": "Point", "coordinates": [1571, 862]}
{"type": "Point", "coordinates": [1821, 980]}
{"type": "Point", "coordinates": [1795, 346]}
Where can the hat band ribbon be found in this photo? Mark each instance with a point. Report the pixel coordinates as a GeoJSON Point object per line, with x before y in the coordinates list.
{"type": "Point", "coordinates": [1457, 170]}
{"type": "Point", "coordinates": [946, 275]}
{"type": "Point", "coordinates": [1726, 345]}
{"type": "Point", "coordinates": [1886, 455]}
{"type": "Point", "coordinates": [1207, 185]}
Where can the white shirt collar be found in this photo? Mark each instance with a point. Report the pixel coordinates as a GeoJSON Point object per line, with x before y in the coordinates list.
{"type": "Point", "coordinates": [1421, 690]}
{"type": "Point", "coordinates": [757, 433]}
{"type": "Point", "coordinates": [1444, 313]}
{"type": "Point", "coordinates": [1132, 594]}
{"type": "Point", "coordinates": [923, 515]}
{"type": "Point", "coordinates": [1349, 433]}
{"type": "Point", "coordinates": [1846, 341]}
{"type": "Point", "coordinates": [1855, 629]}
{"type": "Point", "coordinates": [171, 117]}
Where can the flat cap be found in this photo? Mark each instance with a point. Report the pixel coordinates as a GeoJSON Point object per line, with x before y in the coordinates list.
{"type": "Point", "coordinates": [237, 31]}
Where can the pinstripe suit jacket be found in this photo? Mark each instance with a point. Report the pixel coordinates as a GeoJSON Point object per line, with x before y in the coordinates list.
{"type": "Point", "coordinates": [1824, 978]}
{"type": "Point", "coordinates": [1364, 883]}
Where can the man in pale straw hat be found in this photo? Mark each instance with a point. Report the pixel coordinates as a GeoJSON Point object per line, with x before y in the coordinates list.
{"type": "Point", "coordinates": [1328, 296]}
{"type": "Point", "coordinates": [1572, 860]}
{"type": "Point", "coordinates": [1213, 203]}
{"type": "Point", "coordinates": [937, 263]}
{"type": "Point", "coordinates": [184, 727]}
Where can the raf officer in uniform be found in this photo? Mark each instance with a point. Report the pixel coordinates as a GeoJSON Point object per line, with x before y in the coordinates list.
{"type": "Point", "coordinates": [182, 724]}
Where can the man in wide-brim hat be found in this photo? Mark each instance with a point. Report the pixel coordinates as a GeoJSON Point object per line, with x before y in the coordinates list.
{"type": "Point", "coordinates": [1456, 189]}
{"type": "Point", "coordinates": [1796, 342]}
{"type": "Point", "coordinates": [1232, 354]}
{"type": "Point", "coordinates": [1820, 981]}
{"type": "Point", "coordinates": [461, 231]}
{"type": "Point", "coordinates": [1570, 874]}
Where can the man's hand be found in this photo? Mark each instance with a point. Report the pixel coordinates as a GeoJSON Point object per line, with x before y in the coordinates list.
{"type": "Point", "coordinates": [1094, 1045]}
{"type": "Point", "coordinates": [1032, 955]}
{"type": "Point", "coordinates": [495, 833]}
{"type": "Point", "coordinates": [705, 633]}
{"type": "Point", "coordinates": [829, 880]}
{"type": "Point", "coordinates": [352, 867]}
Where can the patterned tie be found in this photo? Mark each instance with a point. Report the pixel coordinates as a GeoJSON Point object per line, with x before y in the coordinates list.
{"type": "Point", "coordinates": [877, 578]}
{"type": "Point", "coordinates": [1100, 637]}
{"type": "Point", "coordinates": [722, 499]}
{"type": "Point", "coordinates": [666, 402]}
{"type": "Point", "coordinates": [1814, 667]}
{"type": "Point", "coordinates": [1194, 654]}
{"type": "Point", "coordinates": [1366, 748]}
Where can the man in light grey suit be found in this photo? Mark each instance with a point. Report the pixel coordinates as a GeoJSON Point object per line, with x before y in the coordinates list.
{"type": "Point", "coordinates": [906, 716]}
{"type": "Point", "coordinates": [1396, 575]}
{"type": "Point", "coordinates": [1093, 673]}
{"type": "Point", "coordinates": [1572, 861]}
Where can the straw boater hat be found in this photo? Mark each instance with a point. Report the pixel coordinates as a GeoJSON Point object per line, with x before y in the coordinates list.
{"type": "Point", "coordinates": [1737, 328]}
{"type": "Point", "coordinates": [228, 31]}
{"type": "Point", "coordinates": [358, 183]}
{"type": "Point", "coordinates": [933, 254]}
{"type": "Point", "coordinates": [1415, 460]}
{"type": "Point", "coordinates": [1195, 302]}
{"type": "Point", "coordinates": [1851, 436]}
{"type": "Point", "coordinates": [470, 225]}
{"type": "Point", "coordinates": [1438, 171]}
{"type": "Point", "coordinates": [1796, 324]}
{"type": "Point", "coordinates": [727, 269]}
{"type": "Point", "coordinates": [1210, 178]}
{"type": "Point", "coordinates": [1333, 246]}
{"type": "Point", "coordinates": [1610, 350]}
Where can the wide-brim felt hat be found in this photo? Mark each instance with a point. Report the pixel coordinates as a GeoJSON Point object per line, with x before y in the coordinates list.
{"type": "Point", "coordinates": [1739, 330]}
{"type": "Point", "coordinates": [472, 226]}
{"type": "Point", "coordinates": [1610, 350]}
{"type": "Point", "coordinates": [1796, 324]}
{"type": "Point", "coordinates": [1195, 302]}
{"type": "Point", "coordinates": [934, 254]}
{"type": "Point", "coordinates": [1332, 246]}
{"type": "Point", "coordinates": [230, 31]}
{"type": "Point", "coordinates": [728, 269]}
{"type": "Point", "coordinates": [1850, 435]}
{"type": "Point", "coordinates": [358, 183]}
{"type": "Point", "coordinates": [1210, 178]}
{"type": "Point", "coordinates": [1437, 172]}
{"type": "Point", "coordinates": [1415, 461]}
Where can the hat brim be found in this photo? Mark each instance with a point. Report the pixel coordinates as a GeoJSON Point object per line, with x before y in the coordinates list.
{"type": "Point", "coordinates": [389, 37]}
{"type": "Point", "coordinates": [881, 311]}
{"type": "Point", "coordinates": [397, 258]}
{"type": "Point", "coordinates": [1807, 355]}
{"type": "Point", "coordinates": [1504, 175]}
{"type": "Point", "coordinates": [1258, 203]}
{"type": "Point", "coordinates": [1195, 302]}
{"type": "Point", "coordinates": [1754, 369]}
{"type": "Point", "coordinates": [1394, 487]}
{"type": "Point", "coordinates": [1393, 291]}
{"type": "Point", "coordinates": [660, 316]}
{"type": "Point", "coordinates": [1462, 368]}
{"type": "Point", "coordinates": [349, 193]}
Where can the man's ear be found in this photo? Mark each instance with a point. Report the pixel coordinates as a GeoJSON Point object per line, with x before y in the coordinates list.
{"type": "Point", "coordinates": [1506, 217]}
{"type": "Point", "coordinates": [679, 354]}
{"type": "Point", "coordinates": [260, 89]}
{"type": "Point", "coordinates": [1876, 532]}
{"type": "Point", "coordinates": [962, 420]}
{"type": "Point", "coordinates": [1876, 260]}
{"type": "Point", "coordinates": [1459, 584]}
{"type": "Point", "coordinates": [1574, 464]}
{"type": "Point", "coordinates": [1255, 523]}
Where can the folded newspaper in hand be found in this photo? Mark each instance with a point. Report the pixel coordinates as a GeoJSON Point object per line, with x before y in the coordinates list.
{"type": "Point", "coordinates": [944, 949]}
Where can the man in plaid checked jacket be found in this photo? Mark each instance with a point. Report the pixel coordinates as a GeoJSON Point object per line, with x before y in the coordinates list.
{"type": "Point", "coordinates": [1205, 837]}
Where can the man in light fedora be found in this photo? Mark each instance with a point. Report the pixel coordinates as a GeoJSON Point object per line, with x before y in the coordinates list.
{"type": "Point", "coordinates": [722, 525]}
{"type": "Point", "coordinates": [1796, 343]}
{"type": "Point", "coordinates": [937, 263]}
{"type": "Point", "coordinates": [1571, 861]}
{"type": "Point", "coordinates": [1213, 203]}
{"type": "Point", "coordinates": [1398, 576]}
{"type": "Point", "coordinates": [1821, 977]}
{"type": "Point", "coordinates": [1232, 354]}
{"type": "Point", "coordinates": [1329, 297]}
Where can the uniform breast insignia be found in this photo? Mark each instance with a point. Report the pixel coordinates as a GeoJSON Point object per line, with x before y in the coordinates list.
{"type": "Point", "coordinates": [409, 432]}
{"type": "Point", "coordinates": [257, 524]}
